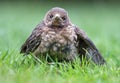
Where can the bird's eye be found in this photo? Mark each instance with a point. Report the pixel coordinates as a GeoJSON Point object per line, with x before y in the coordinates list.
{"type": "Point", "coordinates": [63, 18]}
{"type": "Point", "coordinates": [51, 16]}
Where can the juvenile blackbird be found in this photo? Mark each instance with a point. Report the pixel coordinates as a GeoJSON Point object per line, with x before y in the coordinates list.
{"type": "Point", "coordinates": [61, 39]}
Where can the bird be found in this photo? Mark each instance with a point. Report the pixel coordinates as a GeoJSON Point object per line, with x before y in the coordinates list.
{"type": "Point", "coordinates": [62, 40]}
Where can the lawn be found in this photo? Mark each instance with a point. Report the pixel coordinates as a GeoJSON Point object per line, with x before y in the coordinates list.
{"type": "Point", "coordinates": [101, 21]}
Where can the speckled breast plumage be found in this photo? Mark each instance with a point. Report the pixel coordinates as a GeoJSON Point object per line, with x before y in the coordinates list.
{"type": "Point", "coordinates": [58, 43]}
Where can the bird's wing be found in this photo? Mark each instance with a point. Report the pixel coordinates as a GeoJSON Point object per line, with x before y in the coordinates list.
{"type": "Point", "coordinates": [33, 40]}
{"type": "Point", "coordinates": [87, 48]}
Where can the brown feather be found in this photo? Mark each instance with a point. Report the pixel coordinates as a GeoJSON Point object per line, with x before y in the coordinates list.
{"type": "Point", "coordinates": [33, 40]}
{"type": "Point", "coordinates": [87, 48]}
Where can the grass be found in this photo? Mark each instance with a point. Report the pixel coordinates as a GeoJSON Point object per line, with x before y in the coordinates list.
{"type": "Point", "coordinates": [100, 21]}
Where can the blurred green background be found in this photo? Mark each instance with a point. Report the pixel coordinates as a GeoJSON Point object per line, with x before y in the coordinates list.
{"type": "Point", "coordinates": [99, 19]}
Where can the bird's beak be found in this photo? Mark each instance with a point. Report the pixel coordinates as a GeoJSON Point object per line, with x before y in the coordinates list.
{"type": "Point", "coordinates": [57, 21]}
{"type": "Point", "coordinates": [57, 17]}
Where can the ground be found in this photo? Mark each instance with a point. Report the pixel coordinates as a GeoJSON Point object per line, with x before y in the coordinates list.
{"type": "Point", "coordinates": [100, 21]}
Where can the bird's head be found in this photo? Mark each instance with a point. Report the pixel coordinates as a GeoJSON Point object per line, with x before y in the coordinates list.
{"type": "Point", "coordinates": [57, 17]}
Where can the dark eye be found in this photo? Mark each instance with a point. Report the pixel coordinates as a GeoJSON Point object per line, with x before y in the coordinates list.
{"type": "Point", "coordinates": [51, 16]}
{"type": "Point", "coordinates": [64, 18]}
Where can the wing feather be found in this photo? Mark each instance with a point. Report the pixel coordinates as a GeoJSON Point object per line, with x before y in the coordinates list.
{"type": "Point", "coordinates": [87, 48]}
{"type": "Point", "coordinates": [33, 40]}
